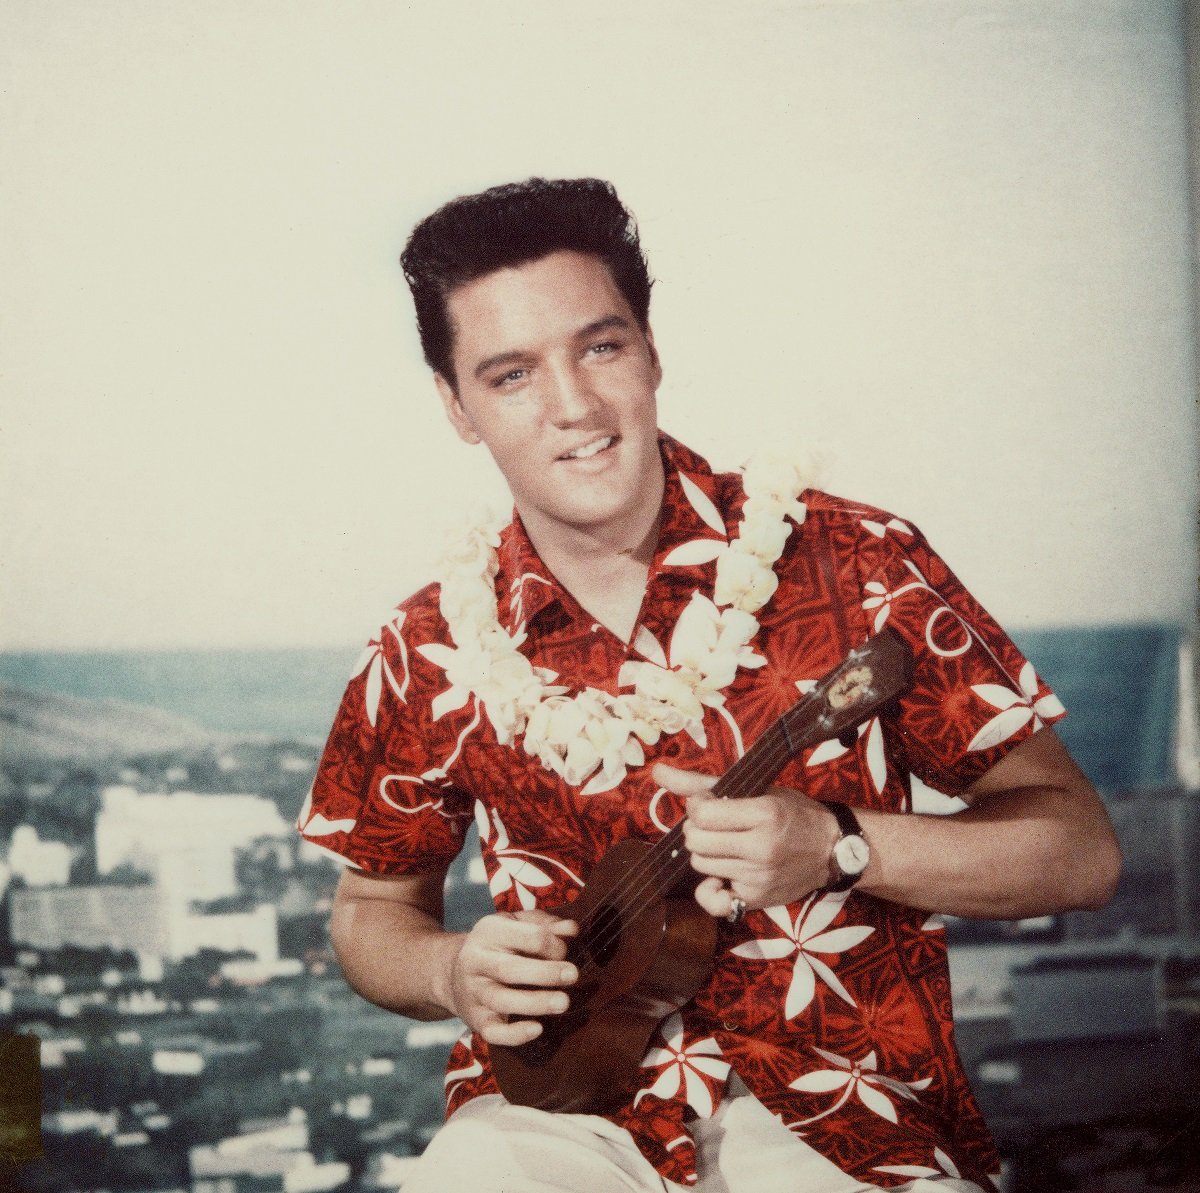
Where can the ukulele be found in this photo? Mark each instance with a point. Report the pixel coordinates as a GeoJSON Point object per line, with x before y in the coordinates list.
{"type": "Point", "coordinates": [645, 947]}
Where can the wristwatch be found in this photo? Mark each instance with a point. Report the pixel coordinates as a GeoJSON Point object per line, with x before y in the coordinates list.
{"type": "Point", "coordinates": [851, 853]}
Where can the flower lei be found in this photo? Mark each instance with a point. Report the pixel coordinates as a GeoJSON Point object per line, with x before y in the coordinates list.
{"type": "Point", "coordinates": [594, 734]}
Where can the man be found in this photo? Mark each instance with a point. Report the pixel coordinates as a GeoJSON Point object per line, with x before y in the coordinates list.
{"type": "Point", "coordinates": [582, 679]}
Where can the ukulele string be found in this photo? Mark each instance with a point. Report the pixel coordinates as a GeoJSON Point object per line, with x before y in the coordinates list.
{"type": "Point", "coordinates": [763, 764]}
{"type": "Point", "coordinates": [666, 861]}
{"type": "Point", "coordinates": [754, 771]}
{"type": "Point", "coordinates": [746, 774]}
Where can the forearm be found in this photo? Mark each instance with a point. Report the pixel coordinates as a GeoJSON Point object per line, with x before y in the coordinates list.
{"type": "Point", "coordinates": [1036, 840]}
{"type": "Point", "coordinates": [1028, 851]}
{"type": "Point", "coordinates": [396, 955]}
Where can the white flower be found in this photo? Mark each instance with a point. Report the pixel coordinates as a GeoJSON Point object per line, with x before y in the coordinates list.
{"type": "Point", "coordinates": [743, 581]}
{"type": "Point", "coordinates": [491, 667]}
{"type": "Point", "coordinates": [711, 647]}
{"type": "Point", "coordinates": [474, 546]}
{"type": "Point", "coordinates": [708, 645]}
{"type": "Point", "coordinates": [686, 1066]}
{"type": "Point", "coordinates": [1018, 708]}
{"type": "Point", "coordinates": [775, 507]}
{"type": "Point", "coordinates": [515, 868]}
{"type": "Point", "coordinates": [373, 661]}
{"type": "Point", "coordinates": [856, 1077]}
{"type": "Point", "coordinates": [554, 731]}
{"type": "Point", "coordinates": [468, 602]}
{"type": "Point", "coordinates": [881, 598]}
{"type": "Point", "coordinates": [575, 736]}
{"type": "Point", "coordinates": [806, 937]}
{"type": "Point", "coordinates": [876, 758]}
{"type": "Point", "coordinates": [764, 537]}
{"type": "Point", "coordinates": [670, 696]}
{"type": "Point", "coordinates": [773, 476]}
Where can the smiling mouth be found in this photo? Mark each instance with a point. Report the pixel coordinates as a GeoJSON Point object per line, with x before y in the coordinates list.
{"type": "Point", "coordinates": [588, 450]}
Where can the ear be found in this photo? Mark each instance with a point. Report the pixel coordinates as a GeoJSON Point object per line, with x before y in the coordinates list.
{"type": "Point", "coordinates": [654, 359]}
{"type": "Point", "coordinates": [454, 410]}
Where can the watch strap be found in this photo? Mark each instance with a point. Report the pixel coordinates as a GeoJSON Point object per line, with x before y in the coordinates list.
{"type": "Point", "coordinates": [848, 826]}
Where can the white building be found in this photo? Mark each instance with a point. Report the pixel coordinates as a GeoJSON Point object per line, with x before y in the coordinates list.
{"type": "Point", "coordinates": [277, 1150]}
{"type": "Point", "coordinates": [185, 840]}
{"type": "Point", "coordinates": [255, 931]}
{"type": "Point", "coordinates": [151, 921]}
{"type": "Point", "coordinates": [39, 863]}
{"type": "Point", "coordinates": [96, 917]}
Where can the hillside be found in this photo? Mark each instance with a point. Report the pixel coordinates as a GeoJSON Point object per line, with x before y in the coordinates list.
{"type": "Point", "coordinates": [46, 726]}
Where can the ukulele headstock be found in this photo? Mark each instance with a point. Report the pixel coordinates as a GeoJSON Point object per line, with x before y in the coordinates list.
{"type": "Point", "coordinates": [868, 678]}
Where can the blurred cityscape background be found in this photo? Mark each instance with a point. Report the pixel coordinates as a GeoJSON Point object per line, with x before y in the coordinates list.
{"type": "Point", "coordinates": [949, 243]}
{"type": "Point", "coordinates": [165, 956]}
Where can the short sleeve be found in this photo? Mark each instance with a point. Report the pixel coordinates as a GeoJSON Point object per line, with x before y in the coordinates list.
{"type": "Point", "coordinates": [974, 695]}
{"type": "Point", "coordinates": [380, 800]}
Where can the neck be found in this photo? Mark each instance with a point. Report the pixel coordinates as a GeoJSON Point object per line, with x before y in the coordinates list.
{"type": "Point", "coordinates": [603, 567]}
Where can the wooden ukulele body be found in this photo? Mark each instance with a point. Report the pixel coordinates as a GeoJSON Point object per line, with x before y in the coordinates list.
{"type": "Point", "coordinates": [640, 958]}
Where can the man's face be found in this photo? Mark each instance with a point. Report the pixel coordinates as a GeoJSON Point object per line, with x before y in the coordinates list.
{"type": "Point", "coordinates": [557, 379]}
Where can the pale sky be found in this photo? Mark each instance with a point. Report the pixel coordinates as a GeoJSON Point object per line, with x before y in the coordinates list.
{"type": "Point", "coordinates": [945, 243]}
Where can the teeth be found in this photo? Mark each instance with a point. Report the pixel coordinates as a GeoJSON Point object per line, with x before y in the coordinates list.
{"type": "Point", "coordinates": [591, 449]}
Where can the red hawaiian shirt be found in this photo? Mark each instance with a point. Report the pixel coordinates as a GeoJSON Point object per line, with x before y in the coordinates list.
{"type": "Point", "coordinates": [835, 1010]}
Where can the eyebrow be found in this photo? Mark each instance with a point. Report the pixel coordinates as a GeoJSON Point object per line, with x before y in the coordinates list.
{"type": "Point", "coordinates": [517, 355]}
{"type": "Point", "coordinates": [609, 321]}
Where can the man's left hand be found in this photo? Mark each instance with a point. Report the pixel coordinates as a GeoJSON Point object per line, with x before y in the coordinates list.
{"type": "Point", "coordinates": [767, 851]}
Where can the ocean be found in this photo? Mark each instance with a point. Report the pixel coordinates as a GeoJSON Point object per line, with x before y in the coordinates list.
{"type": "Point", "coordinates": [1118, 683]}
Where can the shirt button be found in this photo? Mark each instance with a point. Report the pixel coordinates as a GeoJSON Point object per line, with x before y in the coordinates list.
{"type": "Point", "coordinates": [729, 1026]}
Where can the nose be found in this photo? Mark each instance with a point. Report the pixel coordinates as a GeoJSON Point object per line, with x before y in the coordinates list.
{"type": "Point", "coordinates": [570, 398]}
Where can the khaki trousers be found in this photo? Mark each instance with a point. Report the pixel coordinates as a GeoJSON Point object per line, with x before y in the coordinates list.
{"type": "Point", "coordinates": [491, 1146]}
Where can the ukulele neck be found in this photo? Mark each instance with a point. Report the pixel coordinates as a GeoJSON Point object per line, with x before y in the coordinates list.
{"type": "Point", "coordinates": [860, 686]}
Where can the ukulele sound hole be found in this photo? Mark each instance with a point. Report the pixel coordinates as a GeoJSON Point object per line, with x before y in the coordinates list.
{"type": "Point", "coordinates": [601, 935]}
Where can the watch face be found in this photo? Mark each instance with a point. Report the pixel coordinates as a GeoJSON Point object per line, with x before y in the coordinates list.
{"type": "Point", "coordinates": [852, 854]}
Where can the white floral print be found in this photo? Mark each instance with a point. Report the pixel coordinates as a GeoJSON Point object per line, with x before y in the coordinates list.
{"type": "Point", "coordinates": [377, 667]}
{"type": "Point", "coordinates": [856, 1078]}
{"type": "Point", "coordinates": [806, 937]}
{"type": "Point", "coordinates": [684, 1066]}
{"type": "Point", "coordinates": [516, 869]}
{"type": "Point", "coordinates": [1017, 708]}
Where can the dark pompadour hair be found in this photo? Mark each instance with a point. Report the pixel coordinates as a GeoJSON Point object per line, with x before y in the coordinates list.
{"type": "Point", "coordinates": [511, 225]}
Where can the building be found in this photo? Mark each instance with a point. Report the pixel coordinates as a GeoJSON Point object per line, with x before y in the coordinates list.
{"type": "Point", "coordinates": [185, 840]}
{"type": "Point", "coordinates": [133, 918]}
{"type": "Point", "coordinates": [152, 921]}
{"type": "Point", "coordinates": [37, 862]}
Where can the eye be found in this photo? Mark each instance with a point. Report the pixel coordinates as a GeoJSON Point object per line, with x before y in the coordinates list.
{"type": "Point", "coordinates": [509, 378]}
{"type": "Point", "coordinates": [604, 348]}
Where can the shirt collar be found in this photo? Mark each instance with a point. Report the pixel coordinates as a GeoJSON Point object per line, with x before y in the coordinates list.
{"type": "Point", "coordinates": [525, 585]}
{"type": "Point", "coordinates": [690, 513]}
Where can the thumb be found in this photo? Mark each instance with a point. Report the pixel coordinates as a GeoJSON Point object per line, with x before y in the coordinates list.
{"type": "Point", "coordinates": [683, 782]}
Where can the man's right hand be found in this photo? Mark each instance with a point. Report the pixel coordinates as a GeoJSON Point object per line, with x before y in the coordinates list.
{"type": "Point", "coordinates": [508, 969]}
